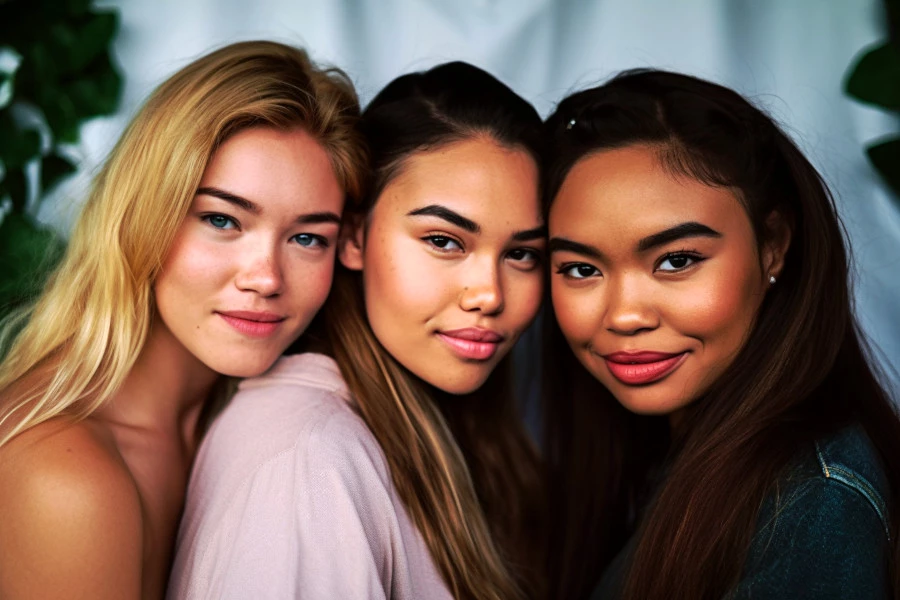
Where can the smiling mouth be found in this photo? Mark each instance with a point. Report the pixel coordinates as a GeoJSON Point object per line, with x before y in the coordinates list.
{"type": "Point", "coordinates": [644, 367]}
{"type": "Point", "coordinates": [472, 343]}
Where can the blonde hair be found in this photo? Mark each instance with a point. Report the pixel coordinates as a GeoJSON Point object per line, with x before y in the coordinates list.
{"type": "Point", "coordinates": [463, 466]}
{"type": "Point", "coordinates": [81, 338]}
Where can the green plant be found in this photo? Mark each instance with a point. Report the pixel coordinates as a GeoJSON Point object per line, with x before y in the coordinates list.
{"type": "Point", "coordinates": [55, 73]}
{"type": "Point", "coordinates": [875, 79]}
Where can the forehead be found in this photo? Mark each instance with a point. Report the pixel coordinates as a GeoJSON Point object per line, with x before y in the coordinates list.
{"type": "Point", "coordinates": [265, 165]}
{"type": "Point", "coordinates": [629, 194]}
{"type": "Point", "coordinates": [478, 178]}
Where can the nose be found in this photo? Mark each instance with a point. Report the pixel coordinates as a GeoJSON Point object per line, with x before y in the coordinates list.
{"type": "Point", "coordinates": [261, 272]}
{"type": "Point", "coordinates": [629, 307]}
{"type": "Point", "coordinates": [482, 288]}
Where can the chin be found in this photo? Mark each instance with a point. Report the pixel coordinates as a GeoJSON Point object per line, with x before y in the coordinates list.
{"type": "Point", "coordinates": [248, 367]}
{"type": "Point", "coordinates": [650, 405]}
{"type": "Point", "coordinates": [460, 385]}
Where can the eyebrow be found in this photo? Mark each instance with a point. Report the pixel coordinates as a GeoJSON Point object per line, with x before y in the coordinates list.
{"type": "Point", "coordinates": [684, 230]}
{"type": "Point", "coordinates": [229, 197]}
{"type": "Point", "coordinates": [308, 218]}
{"type": "Point", "coordinates": [442, 212]}
{"type": "Point", "coordinates": [530, 234]}
{"type": "Point", "coordinates": [561, 244]}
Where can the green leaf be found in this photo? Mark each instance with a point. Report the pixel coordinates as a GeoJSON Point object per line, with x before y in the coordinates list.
{"type": "Point", "coordinates": [17, 146]}
{"type": "Point", "coordinates": [96, 96]}
{"type": "Point", "coordinates": [885, 156]}
{"type": "Point", "coordinates": [55, 168]}
{"type": "Point", "coordinates": [17, 187]}
{"type": "Point", "coordinates": [27, 255]}
{"type": "Point", "coordinates": [61, 115]}
{"type": "Point", "coordinates": [875, 78]}
{"type": "Point", "coordinates": [93, 38]}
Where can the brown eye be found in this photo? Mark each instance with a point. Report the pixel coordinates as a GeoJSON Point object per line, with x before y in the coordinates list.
{"type": "Point", "coordinates": [677, 261]}
{"type": "Point", "coordinates": [442, 242]}
{"type": "Point", "coordinates": [578, 271]}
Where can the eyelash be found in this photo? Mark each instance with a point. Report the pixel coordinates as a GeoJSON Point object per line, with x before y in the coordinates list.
{"type": "Point", "coordinates": [565, 268]}
{"type": "Point", "coordinates": [693, 255]}
{"type": "Point", "coordinates": [322, 241]}
{"type": "Point", "coordinates": [207, 218]}
{"type": "Point", "coordinates": [430, 239]}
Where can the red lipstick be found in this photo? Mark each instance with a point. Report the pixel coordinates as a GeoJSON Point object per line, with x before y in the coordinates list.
{"type": "Point", "coordinates": [472, 343]}
{"type": "Point", "coordinates": [640, 368]}
{"type": "Point", "coordinates": [253, 324]}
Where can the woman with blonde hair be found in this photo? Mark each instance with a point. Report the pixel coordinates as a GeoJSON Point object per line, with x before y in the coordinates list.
{"type": "Point", "coordinates": [388, 460]}
{"type": "Point", "coordinates": [204, 250]}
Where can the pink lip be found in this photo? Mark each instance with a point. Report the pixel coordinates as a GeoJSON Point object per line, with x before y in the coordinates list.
{"type": "Point", "coordinates": [639, 368]}
{"type": "Point", "coordinates": [472, 343]}
{"type": "Point", "coordinates": [254, 324]}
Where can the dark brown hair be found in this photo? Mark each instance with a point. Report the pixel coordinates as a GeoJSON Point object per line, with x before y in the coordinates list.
{"type": "Point", "coordinates": [803, 372]}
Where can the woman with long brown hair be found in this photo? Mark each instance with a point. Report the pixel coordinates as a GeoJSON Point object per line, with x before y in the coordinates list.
{"type": "Point", "coordinates": [204, 250]}
{"type": "Point", "coordinates": [387, 460]}
{"type": "Point", "coordinates": [725, 434]}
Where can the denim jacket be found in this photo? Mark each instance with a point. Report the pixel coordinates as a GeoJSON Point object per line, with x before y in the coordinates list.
{"type": "Point", "coordinates": [823, 532]}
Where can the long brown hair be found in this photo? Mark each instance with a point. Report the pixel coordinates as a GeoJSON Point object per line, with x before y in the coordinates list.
{"type": "Point", "coordinates": [803, 372]}
{"type": "Point", "coordinates": [69, 351]}
{"type": "Point", "coordinates": [463, 465]}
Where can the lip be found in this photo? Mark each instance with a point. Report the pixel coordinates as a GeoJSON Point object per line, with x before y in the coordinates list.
{"type": "Point", "coordinates": [252, 323]}
{"type": "Point", "coordinates": [641, 368]}
{"type": "Point", "coordinates": [472, 343]}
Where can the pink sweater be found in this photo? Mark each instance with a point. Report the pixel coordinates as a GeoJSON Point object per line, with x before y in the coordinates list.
{"type": "Point", "coordinates": [291, 497]}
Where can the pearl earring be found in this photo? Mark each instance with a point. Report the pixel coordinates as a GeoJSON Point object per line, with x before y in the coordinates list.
{"type": "Point", "coordinates": [771, 280]}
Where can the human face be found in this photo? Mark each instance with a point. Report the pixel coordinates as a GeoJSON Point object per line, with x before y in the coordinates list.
{"type": "Point", "coordinates": [451, 261]}
{"type": "Point", "coordinates": [656, 278]}
{"type": "Point", "coordinates": [253, 259]}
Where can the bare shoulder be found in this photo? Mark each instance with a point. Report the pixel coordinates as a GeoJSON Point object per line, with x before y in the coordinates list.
{"type": "Point", "coordinates": [72, 523]}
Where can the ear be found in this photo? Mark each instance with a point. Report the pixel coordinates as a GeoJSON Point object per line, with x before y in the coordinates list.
{"type": "Point", "coordinates": [351, 242]}
{"type": "Point", "coordinates": [779, 228]}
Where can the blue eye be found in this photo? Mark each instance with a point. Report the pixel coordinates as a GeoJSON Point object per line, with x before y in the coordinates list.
{"type": "Point", "coordinates": [578, 271]}
{"type": "Point", "coordinates": [677, 261]}
{"type": "Point", "coordinates": [308, 240]}
{"type": "Point", "coordinates": [220, 221]}
{"type": "Point", "coordinates": [442, 242]}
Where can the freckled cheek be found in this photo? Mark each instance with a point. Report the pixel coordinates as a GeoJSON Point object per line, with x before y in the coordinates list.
{"type": "Point", "coordinates": [193, 266]}
{"type": "Point", "coordinates": [401, 279]}
{"type": "Point", "coordinates": [309, 284]}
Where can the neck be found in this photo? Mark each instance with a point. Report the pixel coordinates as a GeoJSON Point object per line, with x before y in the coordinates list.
{"type": "Point", "coordinates": [164, 391]}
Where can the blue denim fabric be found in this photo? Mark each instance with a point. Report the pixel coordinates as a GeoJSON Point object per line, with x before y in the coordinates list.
{"type": "Point", "coordinates": [824, 531]}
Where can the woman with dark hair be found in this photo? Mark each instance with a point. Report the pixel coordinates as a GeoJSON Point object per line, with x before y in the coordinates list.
{"type": "Point", "coordinates": [386, 460]}
{"type": "Point", "coordinates": [725, 434]}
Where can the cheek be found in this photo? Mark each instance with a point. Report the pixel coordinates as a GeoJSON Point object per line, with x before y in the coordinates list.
{"type": "Point", "coordinates": [720, 311]}
{"type": "Point", "coordinates": [574, 312]}
{"type": "Point", "coordinates": [528, 295]}
{"type": "Point", "coordinates": [311, 283]}
{"type": "Point", "coordinates": [400, 279]}
{"type": "Point", "coordinates": [191, 267]}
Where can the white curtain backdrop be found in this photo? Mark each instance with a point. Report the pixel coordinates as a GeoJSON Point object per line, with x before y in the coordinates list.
{"type": "Point", "coordinates": [789, 56]}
